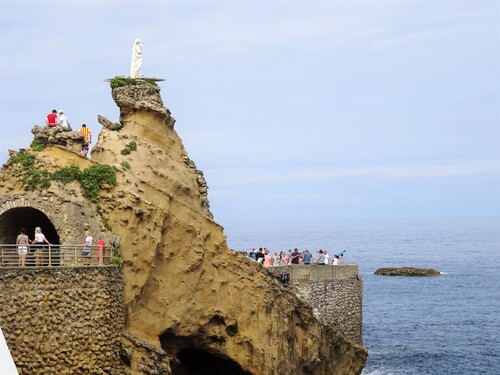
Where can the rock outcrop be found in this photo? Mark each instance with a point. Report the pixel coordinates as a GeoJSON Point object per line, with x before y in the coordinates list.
{"type": "Point", "coordinates": [407, 271]}
{"type": "Point", "coordinates": [59, 136]}
{"type": "Point", "coordinates": [191, 305]}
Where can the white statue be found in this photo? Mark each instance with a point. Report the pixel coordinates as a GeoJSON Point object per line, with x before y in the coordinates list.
{"type": "Point", "coordinates": [135, 67]}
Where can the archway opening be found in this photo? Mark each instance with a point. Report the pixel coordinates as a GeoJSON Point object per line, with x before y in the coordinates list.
{"type": "Point", "coordinates": [194, 361]}
{"type": "Point", "coordinates": [11, 221]}
{"type": "Point", "coordinates": [194, 356]}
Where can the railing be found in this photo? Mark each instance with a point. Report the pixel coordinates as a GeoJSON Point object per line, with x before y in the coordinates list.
{"type": "Point", "coordinates": [54, 256]}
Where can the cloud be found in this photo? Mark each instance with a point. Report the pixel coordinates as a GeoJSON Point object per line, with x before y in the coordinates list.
{"type": "Point", "coordinates": [410, 38]}
{"type": "Point", "coordinates": [431, 169]}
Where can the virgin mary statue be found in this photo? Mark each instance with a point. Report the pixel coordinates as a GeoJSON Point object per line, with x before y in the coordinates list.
{"type": "Point", "coordinates": [135, 67]}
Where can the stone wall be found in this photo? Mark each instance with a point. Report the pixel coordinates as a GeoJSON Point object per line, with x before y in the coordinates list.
{"type": "Point", "coordinates": [63, 320]}
{"type": "Point", "coordinates": [335, 293]}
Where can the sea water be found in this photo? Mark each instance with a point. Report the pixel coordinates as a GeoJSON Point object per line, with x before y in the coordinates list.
{"type": "Point", "coordinates": [447, 324]}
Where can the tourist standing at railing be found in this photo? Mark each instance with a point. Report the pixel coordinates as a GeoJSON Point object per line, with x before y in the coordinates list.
{"type": "Point", "coordinates": [276, 260]}
{"type": "Point", "coordinates": [335, 261]}
{"type": "Point", "coordinates": [87, 245]}
{"type": "Point", "coordinates": [295, 258]}
{"type": "Point", "coordinates": [23, 246]}
{"type": "Point", "coordinates": [259, 256]}
{"type": "Point", "coordinates": [306, 257]}
{"type": "Point", "coordinates": [39, 247]}
{"type": "Point", "coordinates": [284, 258]}
{"type": "Point", "coordinates": [268, 261]}
{"type": "Point", "coordinates": [100, 253]}
{"type": "Point", "coordinates": [321, 258]}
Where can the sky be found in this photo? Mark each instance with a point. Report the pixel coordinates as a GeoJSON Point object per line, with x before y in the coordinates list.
{"type": "Point", "coordinates": [293, 109]}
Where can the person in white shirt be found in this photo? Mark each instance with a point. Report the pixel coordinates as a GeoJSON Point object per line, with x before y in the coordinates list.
{"type": "Point", "coordinates": [335, 260]}
{"type": "Point", "coordinates": [63, 120]}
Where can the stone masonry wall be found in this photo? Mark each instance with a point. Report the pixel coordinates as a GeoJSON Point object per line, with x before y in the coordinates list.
{"type": "Point", "coordinates": [335, 292]}
{"type": "Point", "coordinates": [63, 320]}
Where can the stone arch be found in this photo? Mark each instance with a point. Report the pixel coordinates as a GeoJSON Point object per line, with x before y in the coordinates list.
{"type": "Point", "coordinates": [15, 218]}
{"type": "Point", "coordinates": [193, 355]}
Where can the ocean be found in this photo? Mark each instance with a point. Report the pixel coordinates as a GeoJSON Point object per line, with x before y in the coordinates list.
{"type": "Point", "coordinates": [425, 325]}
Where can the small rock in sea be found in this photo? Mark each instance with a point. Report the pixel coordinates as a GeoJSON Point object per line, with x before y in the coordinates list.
{"type": "Point", "coordinates": [407, 271]}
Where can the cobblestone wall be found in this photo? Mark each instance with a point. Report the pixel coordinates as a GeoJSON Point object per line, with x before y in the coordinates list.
{"type": "Point", "coordinates": [335, 292]}
{"type": "Point", "coordinates": [63, 320]}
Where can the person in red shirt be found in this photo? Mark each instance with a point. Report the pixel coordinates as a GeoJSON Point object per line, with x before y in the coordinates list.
{"type": "Point", "coordinates": [100, 253]}
{"type": "Point", "coordinates": [52, 119]}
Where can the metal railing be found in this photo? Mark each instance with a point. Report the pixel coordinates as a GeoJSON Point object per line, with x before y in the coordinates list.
{"type": "Point", "coordinates": [54, 255]}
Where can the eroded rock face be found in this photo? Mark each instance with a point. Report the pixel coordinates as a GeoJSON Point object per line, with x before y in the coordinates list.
{"type": "Point", "coordinates": [58, 135]}
{"type": "Point", "coordinates": [190, 302]}
{"type": "Point", "coordinates": [407, 271]}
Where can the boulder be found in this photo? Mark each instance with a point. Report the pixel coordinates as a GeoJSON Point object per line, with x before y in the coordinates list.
{"type": "Point", "coordinates": [59, 135]}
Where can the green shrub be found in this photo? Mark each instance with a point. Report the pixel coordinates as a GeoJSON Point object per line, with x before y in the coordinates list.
{"type": "Point", "coordinates": [116, 260]}
{"type": "Point", "coordinates": [125, 165]}
{"type": "Point", "coordinates": [95, 177]}
{"type": "Point", "coordinates": [120, 81]}
{"type": "Point", "coordinates": [37, 145]}
{"type": "Point", "coordinates": [25, 159]}
{"type": "Point", "coordinates": [67, 174]}
{"type": "Point", "coordinates": [126, 150]}
{"type": "Point", "coordinates": [131, 146]}
{"type": "Point", "coordinates": [38, 178]}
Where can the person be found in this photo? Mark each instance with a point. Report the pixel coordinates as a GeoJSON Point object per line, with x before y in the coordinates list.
{"type": "Point", "coordinates": [335, 261]}
{"type": "Point", "coordinates": [284, 258]}
{"type": "Point", "coordinates": [259, 256]}
{"type": "Point", "coordinates": [63, 120]}
{"type": "Point", "coordinates": [51, 120]}
{"type": "Point", "coordinates": [294, 259]}
{"type": "Point", "coordinates": [87, 137]}
{"type": "Point", "coordinates": [268, 261]}
{"type": "Point", "coordinates": [306, 257]}
{"type": "Point", "coordinates": [87, 245]}
{"type": "Point", "coordinates": [100, 252]}
{"type": "Point", "coordinates": [321, 258]}
{"type": "Point", "coordinates": [22, 243]}
{"type": "Point", "coordinates": [276, 259]}
{"type": "Point", "coordinates": [39, 249]}
{"type": "Point", "coordinates": [327, 257]}
{"type": "Point", "coordinates": [252, 254]}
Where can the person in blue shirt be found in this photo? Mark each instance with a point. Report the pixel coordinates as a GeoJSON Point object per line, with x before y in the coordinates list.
{"type": "Point", "coordinates": [306, 257]}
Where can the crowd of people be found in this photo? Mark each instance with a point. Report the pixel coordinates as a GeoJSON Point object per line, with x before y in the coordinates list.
{"type": "Point", "coordinates": [283, 258]}
{"type": "Point", "coordinates": [52, 121]}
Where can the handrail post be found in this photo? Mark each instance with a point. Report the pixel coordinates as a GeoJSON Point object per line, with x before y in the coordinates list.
{"type": "Point", "coordinates": [50, 257]}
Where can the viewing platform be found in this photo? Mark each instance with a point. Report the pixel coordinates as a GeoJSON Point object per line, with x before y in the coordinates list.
{"type": "Point", "coordinates": [314, 272]}
{"type": "Point", "coordinates": [57, 256]}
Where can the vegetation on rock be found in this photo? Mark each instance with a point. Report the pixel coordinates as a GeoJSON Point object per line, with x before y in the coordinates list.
{"type": "Point", "coordinates": [125, 164]}
{"type": "Point", "coordinates": [92, 179]}
{"type": "Point", "coordinates": [120, 81]}
{"type": "Point", "coordinates": [95, 177]}
{"type": "Point", "coordinates": [36, 145]}
{"type": "Point", "coordinates": [24, 158]}
{"type": "Point", "coordinates": [131, 146]}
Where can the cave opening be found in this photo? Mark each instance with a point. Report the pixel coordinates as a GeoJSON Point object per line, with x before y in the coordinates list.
{"type": "Point", "coordinates": [11, 221]}
{"type": "Point", "coordinates": [195, 361]}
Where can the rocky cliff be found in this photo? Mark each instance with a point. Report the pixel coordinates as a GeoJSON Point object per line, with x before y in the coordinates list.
{"type": "Point", "coordinates": [192, 305]}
